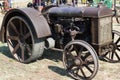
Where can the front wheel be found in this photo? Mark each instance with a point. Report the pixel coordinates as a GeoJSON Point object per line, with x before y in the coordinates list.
{"type": "Point", "coordinates": [80, 60]}
{"type": "Point", "coordinates": [22, 43]}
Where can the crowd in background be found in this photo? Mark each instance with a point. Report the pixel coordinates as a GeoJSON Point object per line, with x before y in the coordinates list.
{"type": "Point", "coordinates": [7, 4]}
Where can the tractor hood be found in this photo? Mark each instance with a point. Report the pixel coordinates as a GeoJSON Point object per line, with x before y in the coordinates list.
{"type": "Point", "coordinates": [70, 11]}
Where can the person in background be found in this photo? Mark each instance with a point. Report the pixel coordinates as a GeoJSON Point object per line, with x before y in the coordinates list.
{"type": "Point", "coordinates": [38, 4]}
{"type": "Point", "coordinates": [90, 1]}
{"type": "Point", "coordinates": [75, 2]}
{"type": "Point", "coordinates": [6, 5]}
{"type": "Point", "coordinates": [0, 6]}
{"type": "Point", "coordinates": [108, 3]}
{"type": "Point", "coordinates": [53, 2]}
{"type": "Point", "coordinates": [10, 3]}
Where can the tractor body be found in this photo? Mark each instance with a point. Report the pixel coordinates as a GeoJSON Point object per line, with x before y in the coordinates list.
{"type": "Point", "coordinates": [82, 33]}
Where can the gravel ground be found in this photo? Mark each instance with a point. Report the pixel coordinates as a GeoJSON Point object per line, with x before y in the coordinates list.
{"type": "Point", "coordinates": [48, 68]}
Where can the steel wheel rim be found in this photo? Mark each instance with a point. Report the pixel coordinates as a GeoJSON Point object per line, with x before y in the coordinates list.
{"type": "Point", "coordinates": [19, 39]}
{"type": "Point", "coordinates": [113, 56]}
{"type": "Point", "coordinates": [81, 72]}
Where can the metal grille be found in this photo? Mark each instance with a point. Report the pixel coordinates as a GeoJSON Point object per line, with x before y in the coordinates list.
{"type": "Point", "coordinates": [105, 30]}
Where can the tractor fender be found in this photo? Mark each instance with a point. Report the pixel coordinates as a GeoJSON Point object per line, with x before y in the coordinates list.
{"type": "Point", "coordinates": [39, 28]}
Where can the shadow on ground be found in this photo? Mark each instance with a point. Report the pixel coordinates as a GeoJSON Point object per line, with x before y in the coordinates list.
{"type": "Point", "coordinates": [55, 56]}
{"type": "Point", "coordinates": [58, 70]}
{"type": "Point", "coordinates": [52, 55]}
{"type": "Point", "coordinates": [48, 54]}
{"type": "Point", "coordinates": [5, 51]}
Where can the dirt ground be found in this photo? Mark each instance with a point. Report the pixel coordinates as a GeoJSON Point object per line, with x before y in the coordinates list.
{"type": "Point", "coordinates": [48, 68]}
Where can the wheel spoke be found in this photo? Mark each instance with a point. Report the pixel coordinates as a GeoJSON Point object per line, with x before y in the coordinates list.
{"type": "Point", "coordinates": [77, 70]}
{"type": "Point", "coordinates": [112, 55]}
{"type": "Point", "coordinates": [90, 62]}
{"type": "Point", "coordinates": [107, 58]}
{"type": "Point", "coordinates": [70, 55]}
{"type": "Point", "coordinates": [118, 49]}
{"type": "Point", "coordinates": [14, 27]}
{"type": "Point", "coordinates": [76, 50]}
{"type": "Point", "coordinates": [117, 55]}
{"type": "Point", "coordinates": [16, 48]}
{"type": "Point", "coordinates": [13, 37]}
{"type": "Point", "coordinates": [113, 35]}
{"type": "Point", "coordinates": [87, 55]}
{"type": "Point", "coordinates": [105, 54]}
{"type": "Point", "coordinates": [117, 41]}
{"type": "Point", "coordinates": [118, 45]}
{"type": "Point", "coordinates": [23, 55]}
{"type": "Point", "coordinates": [82, 72]}
{"type": "Point", "coordinates": [89, 69]}
{"type": "Point", "coordinates": [28, 48]}
{"type": "Point", "coordinates": [27, 35]}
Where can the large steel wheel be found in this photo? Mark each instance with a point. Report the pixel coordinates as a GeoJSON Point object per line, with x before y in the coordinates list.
{"type": "Point", "coordinates": [80, 60]}
{"type": "Point", "coordinates": [114, 54]}
{"type": "Point", "coordinates": [21, 40]}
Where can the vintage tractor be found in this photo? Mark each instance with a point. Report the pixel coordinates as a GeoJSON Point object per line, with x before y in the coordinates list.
{"type": "Point", "coordinates": [82, 33]}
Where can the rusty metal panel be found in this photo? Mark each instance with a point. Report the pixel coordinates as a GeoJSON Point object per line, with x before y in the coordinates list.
{"type": "Point", "coordinates": [97, 12]}
{"type": "Point", "coordinates": [38, 21]}
{"type": "Point", "coordinates": [105, 30]}
{"type": "Point", "coordinates": [67, 11]}
{"type": "Point", "coordinates": [101, 30]}
{"type": "Point", "coordinates": [40, 24]}
{"type": "Point", "coordinates": [94, 12]}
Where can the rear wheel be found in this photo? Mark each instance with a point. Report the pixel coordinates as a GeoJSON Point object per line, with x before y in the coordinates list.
{"type": "Point", "coordinates": [80, 60]}
{"type": "Point", "coordinates": [21, 41]}
{"type": "Point", "coordinates": [113, 55]}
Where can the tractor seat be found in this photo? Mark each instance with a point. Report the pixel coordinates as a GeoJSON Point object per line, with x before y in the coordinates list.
{"type": "Point", "coordinates": [68, 11]}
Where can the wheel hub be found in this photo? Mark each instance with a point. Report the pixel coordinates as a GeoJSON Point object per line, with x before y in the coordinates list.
{"type": "Point", "coordinates": [78, 61]}
{"type": "Point", "coordinates": [113, 47]}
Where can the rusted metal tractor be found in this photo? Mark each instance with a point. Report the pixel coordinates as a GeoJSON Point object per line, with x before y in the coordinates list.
{"type": "Point", "coordinates": [83, 34]}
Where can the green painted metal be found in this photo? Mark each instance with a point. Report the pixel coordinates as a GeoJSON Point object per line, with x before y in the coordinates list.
{"type": "Point", "coordinates": [108, 3]}
{"type": "Point", "coordinates": [96, 1]}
